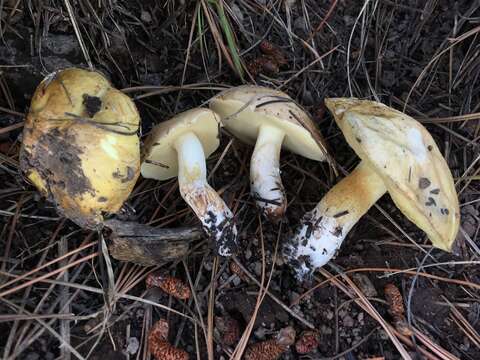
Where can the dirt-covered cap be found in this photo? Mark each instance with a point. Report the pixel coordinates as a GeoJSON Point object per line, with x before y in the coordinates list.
{"type": "Point", "coordinates": [80, 145]}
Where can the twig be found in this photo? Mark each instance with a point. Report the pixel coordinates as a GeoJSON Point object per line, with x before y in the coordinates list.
{"type": "Point", "coordinates": [64, 324]}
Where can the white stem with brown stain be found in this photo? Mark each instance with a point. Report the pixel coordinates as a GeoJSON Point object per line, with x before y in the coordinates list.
{"type": "Point", "coordinates": [323, 229]}
{"type": "Point", "coordinates": [266, 183]}
{"type": "Point", "coordinates": [216, 217]}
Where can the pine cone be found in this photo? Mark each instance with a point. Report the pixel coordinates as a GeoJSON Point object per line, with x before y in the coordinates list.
{"type": "Point", "coordinates": [163, 350]}
{"type": "Point", "coordinates": [272, 349]}
{"type": "Point", "coordinates": [273, 52]}
{"type": "Point", "coordinates": [229, 329]}
{"type": "Point", "coordinates": [267, 47]}
{"type": "Point", "coordinates": [235, 269]}
{"type": "Point", "coordinates": [307, 342]}
{"type": "Point", "coordinates": [169, 284]}
{"type": "Point", "coordinates": [159, 346]}
{"type": "Point", "coordinates": [394, 300]}
{"type": "Point", "coordinates": [396, 309]}
{"type": "Point", "coordinates": [159, 330]}
{"type": "Point", "coordinates": [266, 350]}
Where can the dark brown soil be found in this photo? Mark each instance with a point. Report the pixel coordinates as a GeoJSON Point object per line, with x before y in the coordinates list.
{"type": "Point", "coordinates": [402, 53]}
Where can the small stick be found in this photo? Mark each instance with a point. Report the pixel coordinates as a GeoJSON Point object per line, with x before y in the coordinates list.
{"type": "Point", "coordinates": [146, 245]}
{"type": "Point", "coordinates": [64, 304]}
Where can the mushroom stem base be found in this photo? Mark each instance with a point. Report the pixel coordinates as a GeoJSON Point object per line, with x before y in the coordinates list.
{"type": "Point", "coordinates": [323, 229]}
{"type": "Point", "coordinates": [216, 217]}
{"type": "Point", "coordinates": [266, 183]}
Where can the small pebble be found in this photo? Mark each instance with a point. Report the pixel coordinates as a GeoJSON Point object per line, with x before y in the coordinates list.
{"type": "Point", "coordinates": [329, 314]}
{"type": "Point", "coordinates": [145, 16]}
{"type": "Point", "coordinates": [260, 333]}
{"type": "Point", "coordinates": [132, 345]}
{"type": "Point", "coordinates": [300, 24]}
{"type": "Point", "coordinates": [279, 261]}
{"type": "Point", "coordinates": [207, 265]}
{"type": "Point", "coordinates": [236, 280]}
{"type": "Point", "coordinates": [360, 318]}
{"type": "Point", "coordinates": [326, 330]}
{"type": "Point", "coordinates": [383, 335]}
{"type": "Point", "coordinates": [348, 321]}
{"type": "Point", "coordinates": [258, 269]}
{"type": "Point", "coordinates": [237, 12]}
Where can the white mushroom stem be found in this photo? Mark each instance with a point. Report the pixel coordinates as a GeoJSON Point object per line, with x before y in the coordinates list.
{"type": "Point", "coordinates": [323, 229]}
{"type": "Point", "coordinates": [266, 183]}
{"type": "Point", "coordinates": [216, 217]}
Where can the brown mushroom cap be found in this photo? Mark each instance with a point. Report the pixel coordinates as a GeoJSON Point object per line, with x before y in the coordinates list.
{"type": "Point", "coordinates": [244, 109]}
{"type": "Point", "coordinates": [80, 145]}
{"type": "Point", "coordinates": [405, 156]}
{"type": "Point", "coordinates": [160, 160]}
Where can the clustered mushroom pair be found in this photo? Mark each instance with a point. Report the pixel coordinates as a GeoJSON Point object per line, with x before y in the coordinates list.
{"type": "Point", "coordinates": [81, 150]}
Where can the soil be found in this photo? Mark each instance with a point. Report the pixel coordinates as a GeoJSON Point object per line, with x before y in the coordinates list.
{"type": "Point", "coordinates": [401, 53]}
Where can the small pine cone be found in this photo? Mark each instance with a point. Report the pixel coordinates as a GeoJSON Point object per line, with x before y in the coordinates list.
{"type": "Point", "coordinates": [169, 284]}
{"type": "Point", "coordinates": [159, 330]}
{"type": "Point", "coordinates": [163, 350]}
{"type": "Point", "coordinates": [307, 342]}
{"type": "Point", "coordinates": [273, 52]}
{"type": "Point", "coordinates": [159, 346]}
{"type": "Point", "coordinates": [266, 350]}
{"type": "Point", "coordinates": [267, 47]}
{"type": "Point", "coordinates": [229, 329]}
{"type": "Point", "coordinates": [394, 300]}
{"type": "Point", "coordinates": [272, 349]}
{"type": "Point", "coordinates": [235, 269]}
{"type": "Point", "coordinates": [263, 64]}
{"type": "Point", "coordinates": [396, 308]}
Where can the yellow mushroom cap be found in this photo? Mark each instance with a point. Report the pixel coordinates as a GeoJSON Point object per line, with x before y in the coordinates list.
{"type": "Point", "coordinates": [80, 145]}
{"type": "Point", "coordinates": [160, 160]}
{"type": "Point", "coordinates": [405, 156]}
{"type": "Point", "coordinates": [244, 109]}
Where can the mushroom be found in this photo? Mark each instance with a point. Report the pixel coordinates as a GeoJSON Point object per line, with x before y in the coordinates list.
{"type": "Point", "coordinates": [399, 156]}
{"type": "Point", "coordinates": [80, 145]}
{"type": "Point", "coordinates": [179, 147]}
{"type": "Point", "coordinates": [270, 119]}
